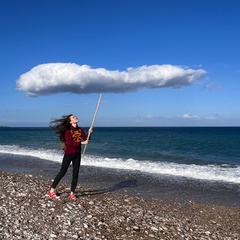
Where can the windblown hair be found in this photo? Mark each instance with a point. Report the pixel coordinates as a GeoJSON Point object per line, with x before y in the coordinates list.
{"type": "Point", "coordinates": [61, 125]}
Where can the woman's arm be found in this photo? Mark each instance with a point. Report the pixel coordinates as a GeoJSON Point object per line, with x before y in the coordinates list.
{"type": "Point", "coordinates": [85, 137]}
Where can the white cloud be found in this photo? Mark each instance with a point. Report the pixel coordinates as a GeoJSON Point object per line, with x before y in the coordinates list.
{"type": "Point", "coordinates": [190, 116]}
{"type": "Point", "coordinates": [213, 85]}
{"type": "Point", "coordinates": [197, 117]}
{"type": "Point", "coordinates": [53, 78]}
{"type": "Point", "coordinates": [213, 117]}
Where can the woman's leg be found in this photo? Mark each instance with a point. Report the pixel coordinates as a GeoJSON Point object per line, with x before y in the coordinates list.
{"type": "Point", "coordinates": [65, 164]}
{"type": "Point", "coordinates": [76, 166]}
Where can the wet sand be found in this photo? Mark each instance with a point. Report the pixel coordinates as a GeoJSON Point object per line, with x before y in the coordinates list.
{"type": "Point", "coordinates": [131, 183]}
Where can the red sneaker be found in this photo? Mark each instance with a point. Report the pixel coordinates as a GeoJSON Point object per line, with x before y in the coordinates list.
{"type": "Point", "coordinates": [52, 194]}
{"type": "Point", "coordinates": [72, 197]}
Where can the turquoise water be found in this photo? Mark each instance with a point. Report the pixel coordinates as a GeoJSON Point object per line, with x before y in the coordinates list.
{"type": "Point", "coordinates": [208, 153]}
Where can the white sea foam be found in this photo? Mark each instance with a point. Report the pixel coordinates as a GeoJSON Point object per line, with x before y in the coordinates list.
{"type": "Point", "coordinates": [52, 155]}
{"type": "Point", "coordinates": [205, 172]}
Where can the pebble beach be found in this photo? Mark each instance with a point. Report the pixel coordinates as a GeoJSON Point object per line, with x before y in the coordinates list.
{"type": "Point", "coordinates": [26, 212]}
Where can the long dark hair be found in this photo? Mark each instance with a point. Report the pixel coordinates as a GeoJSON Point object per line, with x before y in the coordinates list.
{"type": "Point", "coordinates": [60, 125]}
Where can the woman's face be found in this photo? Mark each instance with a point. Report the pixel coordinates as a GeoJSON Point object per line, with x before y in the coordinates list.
{"type": "Point", "coordinates": [73, 119]}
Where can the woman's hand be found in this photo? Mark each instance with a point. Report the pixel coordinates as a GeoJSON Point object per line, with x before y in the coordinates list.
{"type": "Point", "coordinates": [85, 142]}
{"type": "Point", "coordinates": [90, 130]}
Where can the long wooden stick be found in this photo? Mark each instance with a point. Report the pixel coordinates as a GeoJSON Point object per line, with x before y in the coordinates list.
{"type": "Point", "coordinates": [94, 117]}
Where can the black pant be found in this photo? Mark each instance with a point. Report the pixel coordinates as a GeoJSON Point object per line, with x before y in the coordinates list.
{"type": "Point", "coordinates": [67, 159]}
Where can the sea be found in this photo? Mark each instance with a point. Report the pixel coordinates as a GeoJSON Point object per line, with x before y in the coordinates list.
{"type": "Point", "coordinates": [209, 154]}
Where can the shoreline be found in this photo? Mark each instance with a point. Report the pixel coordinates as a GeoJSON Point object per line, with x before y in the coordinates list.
{"type": "Point", "coordinates": [129, 182]}
{"type": "Point", "coordinates": [26, 212]}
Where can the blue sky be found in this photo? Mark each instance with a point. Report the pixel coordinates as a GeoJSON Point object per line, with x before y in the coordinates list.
{"type": "Point", "coordinates": [157, 63]}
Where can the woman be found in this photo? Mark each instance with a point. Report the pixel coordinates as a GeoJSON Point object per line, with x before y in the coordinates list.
{"type": "Point", "coordinates": [69, 132]}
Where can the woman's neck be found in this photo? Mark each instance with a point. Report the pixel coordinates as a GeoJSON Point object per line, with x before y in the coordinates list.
{"type": "Point", "coordinates": [74, 125]}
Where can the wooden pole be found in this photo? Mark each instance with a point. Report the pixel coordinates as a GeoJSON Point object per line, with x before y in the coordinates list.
{"type": "Point", "coordinates": [94, 118]}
